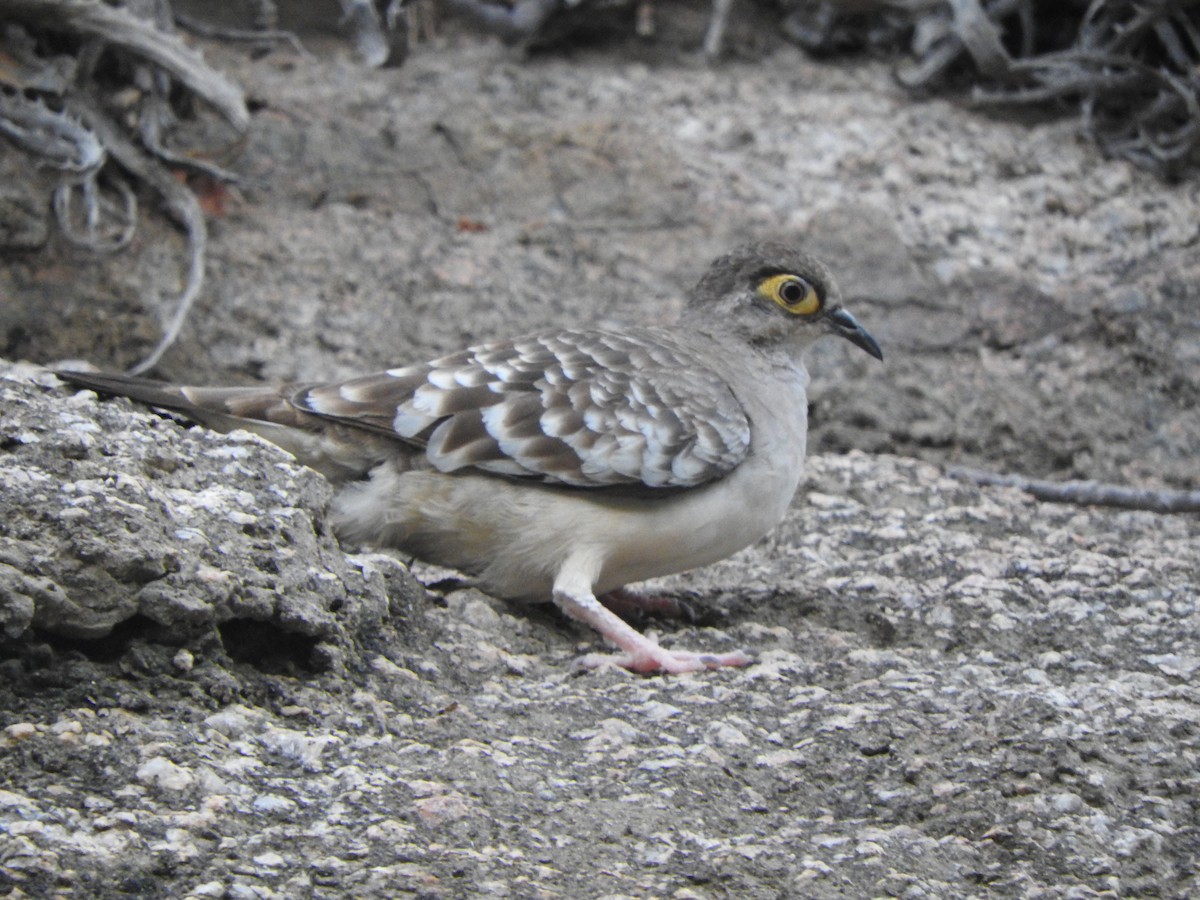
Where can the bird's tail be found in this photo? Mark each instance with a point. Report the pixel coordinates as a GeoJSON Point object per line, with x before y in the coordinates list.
{"type": "Point", "coordinates": [265, 411]}
{"type": "Point", "coordinates": [222, 409]}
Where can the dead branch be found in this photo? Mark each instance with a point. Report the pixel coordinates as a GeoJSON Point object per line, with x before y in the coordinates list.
{"type": "Point", "coordinates": [115, 26]}
{"type": "Point", "coordinates": [90, 232]}
{"type": "Point", "coordinates": [180, 203]}
{"type": "Point", "coordinates": [378, 41]}
{"type": "Point", "coordinates": [263, 35]}
{"type": "Point", "coordinates": [1131, 68]}
{"type": "Point", "coordinates": [1087, 493]}
{"type": "Point", "coordinates": [54, 137]}
{"type": "Point", "coordinates": [77, 133]}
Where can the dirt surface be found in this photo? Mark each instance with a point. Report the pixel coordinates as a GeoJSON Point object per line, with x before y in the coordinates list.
{"type": "Point", "coordinates": [959, 692]}
{"type": "Point", "coordinates": [1038, 304]}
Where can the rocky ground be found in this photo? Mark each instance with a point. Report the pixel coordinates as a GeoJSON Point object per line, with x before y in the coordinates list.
{"type": "Point", "coordinates": [959, 691]}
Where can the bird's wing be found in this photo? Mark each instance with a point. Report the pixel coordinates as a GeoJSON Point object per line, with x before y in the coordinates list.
{"type": "Point", "coordinates": [581, 408]}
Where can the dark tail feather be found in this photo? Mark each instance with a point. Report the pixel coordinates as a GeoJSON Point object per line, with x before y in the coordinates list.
{"type": "Point", "coordinates": [143, 390]}
{"type": "Point", "coordinates": [222, 409]}
{"type": "Point", "coordinates": [266, 411]}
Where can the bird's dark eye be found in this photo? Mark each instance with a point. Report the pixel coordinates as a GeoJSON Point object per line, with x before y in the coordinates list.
{"type": "Point", "coordinates": [792, 293]}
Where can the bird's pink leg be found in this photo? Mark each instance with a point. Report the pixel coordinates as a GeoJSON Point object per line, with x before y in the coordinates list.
{"type": "Point", "coordinates": [640, 653]}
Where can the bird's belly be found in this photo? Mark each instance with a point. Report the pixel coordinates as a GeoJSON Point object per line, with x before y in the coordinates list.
{"type": "Point", "coordinates": [515, 537]}
{"type": "Point", "coordinates": [699, 527]}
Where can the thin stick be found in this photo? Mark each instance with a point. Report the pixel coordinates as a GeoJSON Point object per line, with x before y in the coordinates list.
{"type": "Point", "coordinates": [1088, 493]}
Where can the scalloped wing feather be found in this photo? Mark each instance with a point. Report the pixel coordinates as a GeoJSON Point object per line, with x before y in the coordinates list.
{"type": "Point", "coordinates": [579, 408]}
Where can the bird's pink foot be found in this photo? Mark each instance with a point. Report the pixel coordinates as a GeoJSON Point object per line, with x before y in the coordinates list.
{"type": "Point", "coordinates": [640, 653]}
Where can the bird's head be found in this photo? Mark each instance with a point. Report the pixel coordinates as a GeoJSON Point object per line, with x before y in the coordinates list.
{"type": "Point", "coordinates": [774, 295]}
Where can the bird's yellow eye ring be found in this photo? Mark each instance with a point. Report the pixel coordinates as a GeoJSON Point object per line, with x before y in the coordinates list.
{"type": "Point", "coordinates": [792, 293]}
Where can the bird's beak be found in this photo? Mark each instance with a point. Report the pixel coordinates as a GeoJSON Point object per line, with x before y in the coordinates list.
{"type": "Point", "coordinates": [845, 325]}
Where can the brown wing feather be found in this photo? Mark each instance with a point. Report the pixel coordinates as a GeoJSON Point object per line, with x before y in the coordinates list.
{"type": "Point", "coordinates": [582, 408]}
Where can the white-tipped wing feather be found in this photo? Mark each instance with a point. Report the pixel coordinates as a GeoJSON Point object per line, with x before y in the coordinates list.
{"type": "Point", "coordinates": [578, 408]}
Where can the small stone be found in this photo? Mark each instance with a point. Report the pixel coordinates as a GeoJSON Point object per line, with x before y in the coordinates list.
{"type": "Point", "coordinates": [1066, 802]}
{"type": "Point", "coordinates": [726, 735]}
{"type": "Point", "coordinates": [20, 731]}
{"type": "Point", "coordinates": [273, 803]}
{"type": "Point", "coordinates": [208, 889]}
{"type": "Point", "coordinates": [442, 808]}
{"type": "Point", "coordinates": [656, 711]}
{"type": "Point", "coordinates": [165, 774]}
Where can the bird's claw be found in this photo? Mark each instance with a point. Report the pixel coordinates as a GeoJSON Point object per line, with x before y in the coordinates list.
{"type": "Point", "coordinates": [672, 662]}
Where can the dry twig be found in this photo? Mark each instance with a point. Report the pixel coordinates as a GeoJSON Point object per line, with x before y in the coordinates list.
{"type": "Point", "coordinates": [1088, 493]}
{"type": "Point", "coordinates": [1131, 68]}
{"type": "Point", "coordinates": [78, 133]}
{"type": "Point", "coordinates": [118, 28]}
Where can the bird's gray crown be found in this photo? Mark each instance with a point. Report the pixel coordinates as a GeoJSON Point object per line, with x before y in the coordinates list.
{"type": "Point", "coordinates": [743, 268]}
